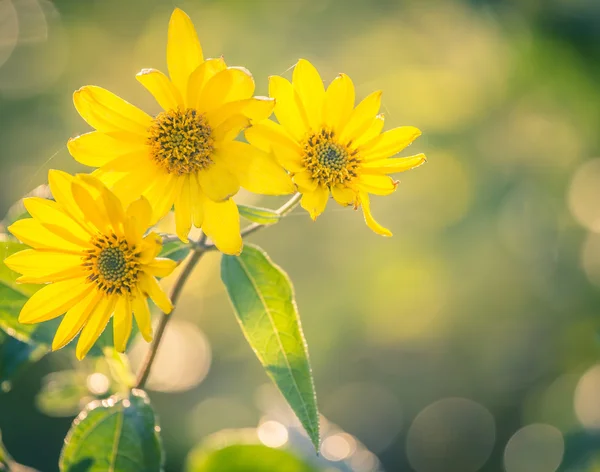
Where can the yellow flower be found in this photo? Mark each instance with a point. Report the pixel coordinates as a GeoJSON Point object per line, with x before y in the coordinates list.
{"type": "Point", "coordinates": [95, 259]}
{"type": "Point", "coordinates": [186, 155]}
{"type": "Point", "coordinates": [329, 146]}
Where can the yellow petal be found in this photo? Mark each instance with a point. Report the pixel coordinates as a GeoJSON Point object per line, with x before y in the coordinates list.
{"type": "Point", "coordinates": [309, 86]}
{"type": "Point", "coordinates": [142, 316]}
{"type": "Point", "coordinates": [338, 103]}
{"type": "Point", "coordinates": [94, 212]}
{"type": "Point", "coordinates": [222, 225]}
{"type": "Point", "coordinates": [314, 202]}
{"type": "Point", "coordinates": [130, 176]}
{"type": "Point", "coordinates": [183, 210]}
{"type": "Point", "coordinates": [106, 112]}
{"type": "Point", "coordinates": [255, 109]}
{"type": "Point", "coordinates": [217, 182]}
{"type": "Point", "coordinates": [75, 318]}
{"type": "Point", "coordinates": [149, 286]}
{"type": "Point", "coordinates": [344, 195]}
{"type": "Point", "coordinates": [231, 84]}
{"type": "Point", "coordinates": [371, 223]}
{"type": "Point", "coordinates": [389, 143]}
{"type": "Point", "coordinates": [372, 131]}
{"type": "Point", "coordinates": [61, 187]}
{"type": "Point", "coordinates": [161, 195]}
{"type": "Point", "coordinates": [255, 170]}
{"type": "Point", "coordinates": [230, 128]}
{"type": "Point", "coordinates": [184, 53]}
{"type": "Point", "coordinates": [150, 248]}
{"type": "Point", "coordinates": [32, 233]}
{"type": "Point", "coordinates": [377, 184]}
{"type": "Point", "coordinates": [197, 202]}
{"type": "Point", "coordinates": [396, 164]}
{"type": "Point", "coordinates": [53, 300]}
{"type": "Point", "coordinates": [95, 325]}
{"type": "Point", "coordinates": [161, 88]}
{"type": "Point", "coordinates": [139, 215]}
{"type": "Point", "coordinates": [45, 264]}
{"type": "Point", "coordinates": [96, 149]}
{"type": "Point", "coordinates": [305, 182]}
{"type": "Point", "coordinates": [160, 267]}
{"type": "Point", "coordinates": [266, 133]}
{"type": "Point", "coordinates": [288, 107]}
{"type": "Point", "coordinates": [106, 200]}
{"type": "Point", "coordinates": [198, 79]}
{"type": "Point", "coordinates": [361, 118]}
{"type": "Point", "coordinates": [122, 323]}
{"type": "Point", "coordinates": [52, 216]}
{"type": "Point", "coordinates": [290, 159]}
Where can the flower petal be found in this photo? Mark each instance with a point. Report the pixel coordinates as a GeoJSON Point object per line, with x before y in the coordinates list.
{"type": "Point", "coordinates": [377, 184]}
{"type": "Point", "coordinates": [389, 143]}
{"type": "Point", "coordinates": [314, 202]}
{"type": "Point", "coordinates": [149, 286]}
{"type": "Point", "coordinates": [161, 88]}
{"type": "Point", "coordinates": [198, 79]}
{"type": "Point", "coordinates": [184, 53]}
{"type": "Point", "coordinates": [53, 300]}
{"type": "Point", "coordinates": [61, 187]}
{"type": "Point", "coordinates": [95, 325]}
{"type": "Point", "coordinates": [361, 118]}
{"type": "Point", "coordinates": [396, 164]}
{"type": "Point", "coordinates": [142, 315]}
{"type": "Point", "coordinates": [94, 211]}
{"type": "Point", "coordinates": [371, 223]}
{"type": "Point", "coordinates": [122, 323]}
{"type": "Point", "coordinates": [106, 200]}
{"type": "Point", "coordinates": [288, 107]}
{"type": "Point", "coordinates": [266, 133]}
{"type": "Point", "coordinates": [344, 195]}
{"type": "Point", "coordinates": [230, 128]}
{"type": "Point", "coordinates": [150, 248]}
{"type": "Point", "coordinates": [46, 266]}
{"type": "Point", "coordinates": [139, 215]}
{"type": "Point", "coordinates": [222, 225]}
{"type": "Point", "coordinates": [289, 159]}
{"type": "Point", "coordinates": [371, 132]}
{"type": "Point", "coordinates": [183, 210]}
{"type": "Point", "coordinates": [255, 109]}
{"type": "Point", "coordinates": [106, 112]}
{"type": "Point", "coordinates": [160, 267]}
{"type": "Point", "coordinates": [308, 84]}
{"type": "Point", "coordinates": [197, 198]}
{"type": "Point", "coordinates": [32, 233]}
{"type": "Point", "coordinates": [305, 182]}
{"type": "Point", "coordinates": [96, 149]}
{"type": "Point", "coordinates": [217, 182]}
{"type": "Point", "coordinates": [75, 318]}
{"type": "Point", "coordinates": [255, 170]}
{"type": "Point", "coordinates": [231, 84]}
{"type": "Point", "coordinates": [161, 194]}
{"type": "Point", "coordinates": [338, 103]}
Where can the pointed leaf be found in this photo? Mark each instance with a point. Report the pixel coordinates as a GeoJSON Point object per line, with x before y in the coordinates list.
{"type": "Point", "coordinates": [117, 434]}
{"type": "Point", "coordinates": [262, 216]}
{"type": "Point", "coordinates": [263, 299]}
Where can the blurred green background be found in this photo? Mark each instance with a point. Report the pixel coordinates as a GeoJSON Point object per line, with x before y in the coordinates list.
{"type": "Point", "coordinates": [469, 340]}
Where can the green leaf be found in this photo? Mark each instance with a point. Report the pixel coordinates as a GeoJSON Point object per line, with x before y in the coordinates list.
{"type": "Point", "coordinates": [175, 250]}
{"type": "Point", "coordinates": [118, 434]}
{"type": "Point", "coordinates": [262, 216]}
{"type": "Point", "coordinates": [15, 355]}
{"type": "Point", "coordinates": [245, 458]}
{"type": "Point", "coordinates": [263, 299]}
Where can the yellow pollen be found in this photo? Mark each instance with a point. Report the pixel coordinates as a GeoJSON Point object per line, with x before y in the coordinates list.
{"type": "Point", "coordinates": [112, 264]}
{"type": "Point", "coordinates": [181, 142]}
{"type": "Point", "coordinates": [329, 162]}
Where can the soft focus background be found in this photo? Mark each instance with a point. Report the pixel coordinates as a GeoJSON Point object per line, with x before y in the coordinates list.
{"type": "Point", "coordinates": [467, 342]}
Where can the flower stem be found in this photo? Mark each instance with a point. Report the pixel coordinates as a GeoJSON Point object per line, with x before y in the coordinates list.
{"type": "Point", "coordinates": [198, 252]}
{"type": "Point", "coordinates": [199, 249]}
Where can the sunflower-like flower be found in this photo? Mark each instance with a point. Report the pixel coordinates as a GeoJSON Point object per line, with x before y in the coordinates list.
{"type": "Point", "coordinates": [95, 260]}
{"type": "Point", "coordinates": [186, 155]}
{"type": "Point", "coordinates": [331, 147]}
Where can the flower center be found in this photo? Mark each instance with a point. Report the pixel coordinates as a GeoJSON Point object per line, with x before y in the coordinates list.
{"type": "Point", "coordinates": [113, 264]}
{"type": "Point", "coordinates": [329, 162]}
{"type": "Point", "coordinates": [181, 142]}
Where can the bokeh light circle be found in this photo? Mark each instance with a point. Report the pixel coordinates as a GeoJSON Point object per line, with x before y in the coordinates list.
{"type": "Point", "coordinates": [587, 393]}
{"type": "Point", "coordinates": [584, 195]}
{"type": "Point", "coordinates": [455, 431]}
{"type": "Point", "coordinates": [534, 448]}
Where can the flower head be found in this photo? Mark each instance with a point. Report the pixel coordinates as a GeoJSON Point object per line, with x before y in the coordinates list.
{"type": "Point", "coordinates": [186, 155]}
{"type": "Point", "coordinates": [95, 260]}
{"type": "Point", "coordinates": [331, 147]}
